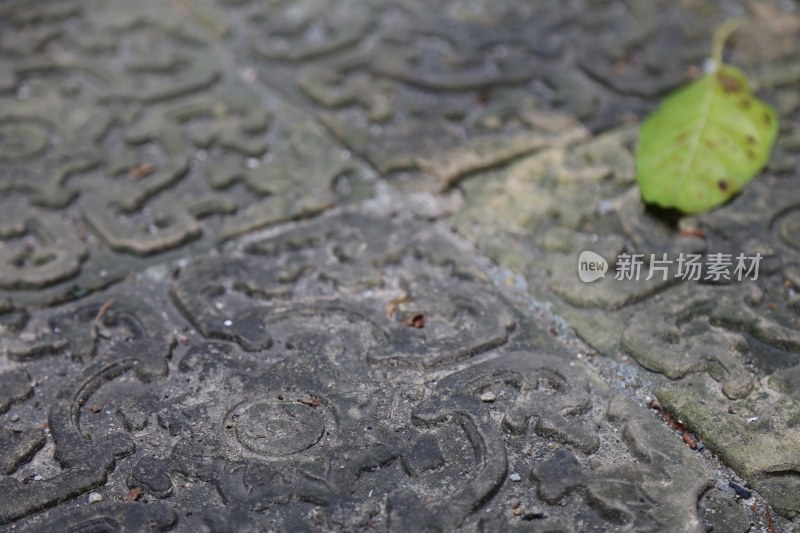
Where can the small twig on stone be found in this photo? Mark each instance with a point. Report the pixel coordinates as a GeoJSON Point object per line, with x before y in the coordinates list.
{"type": "Point", "coordinates": [770, 522]}
{"type": "Point", "coordinates": [98, 320]}
{"type": "Point", "coordinates": [391, 307]}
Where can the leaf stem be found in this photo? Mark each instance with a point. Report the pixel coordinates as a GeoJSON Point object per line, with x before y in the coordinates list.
{"type": "Point", "coordinates": [720, 38]}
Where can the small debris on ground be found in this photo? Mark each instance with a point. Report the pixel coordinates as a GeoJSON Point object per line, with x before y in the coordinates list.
{"type": "Point", "coordinates": [740, 490]}
{"type": "Point", "coordinates": [677, 425]}
{"type": "Point", "coordinates": [488, 397]}
{"type": "Point", "coordinates": [693, 232]}
{"type": "Point", "coordinates": [515, 477]}
{"type": "Point", "coordinates": [392, 305]}
{"type": "Point", "coordinates": [416, 321]}
{"type": "Point", "coordinates": [99, 318]}
{"type": "Point", "coordinates": [141, 171]}
{"type": "Point", "coordinates": [770, 522]}
{"type": "Point", "coordinates": [134, 494]}
{"type": "Point", "coordinates": [94, 497]}
{"type": "Point", "coordinates": [313, 402]}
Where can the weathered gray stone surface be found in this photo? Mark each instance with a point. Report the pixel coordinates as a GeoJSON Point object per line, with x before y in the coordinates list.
{"type": "Point", "coordinates": [729, 350]}
{"type": "Point", "coordinates": [244, 282]}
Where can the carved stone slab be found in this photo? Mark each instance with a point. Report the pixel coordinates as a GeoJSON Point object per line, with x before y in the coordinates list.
{"type": "Point", "coordinates": [350, 373]}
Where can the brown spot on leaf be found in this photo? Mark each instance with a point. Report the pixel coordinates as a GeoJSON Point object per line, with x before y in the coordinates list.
{"type": "Point", "coordinates": [728, 83]}
{"type": "Point", "coordinates": [745, 103]}
{"type": "Point", "coordinates": [723, 185]}
{"type": "Point", "coordinates": [767, 118]}
{"type": "Point", "coordinates": [751, 139]}
{"type": "Point", "coordinates": [751, 155]}
{"type": "Point", "coordinates": [708, 143]}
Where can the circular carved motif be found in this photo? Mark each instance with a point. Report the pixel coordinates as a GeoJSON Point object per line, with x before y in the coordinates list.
{"type": "Point", "coordinates": [21, 140]}
{"type": "Point", "coordinates": [789, 229]}
{"type": "Point", "coordinates": [278, 428]}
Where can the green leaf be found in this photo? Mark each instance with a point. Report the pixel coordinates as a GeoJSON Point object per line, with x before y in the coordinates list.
{"type": "Point", "coordinates": [705, 142]}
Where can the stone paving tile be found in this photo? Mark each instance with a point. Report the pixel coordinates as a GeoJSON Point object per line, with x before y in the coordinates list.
{"type": "Point", "coordinates": [178, 357]}
{"type": "Point", "coordinates": [429, 96]}
{"type": "Point", "coordinates": [126, 137]}
{"type": "Point", "coordinates": [328, 378]}
{"type": "Point", "coordinates": [729, 350]}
